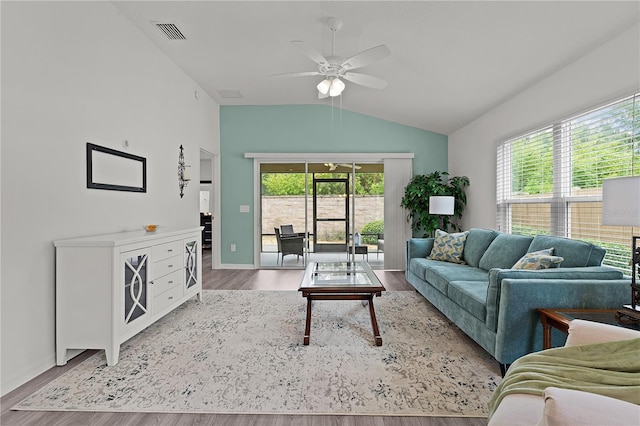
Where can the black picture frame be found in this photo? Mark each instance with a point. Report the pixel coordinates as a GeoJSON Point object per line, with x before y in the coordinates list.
{"type": "Point", "coordinates": [114, 170]}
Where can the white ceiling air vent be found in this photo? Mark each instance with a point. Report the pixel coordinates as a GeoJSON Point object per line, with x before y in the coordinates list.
{"type": "Point", "coordinates": [170, 30]}
{"type": "Point", "coordinates": [229, 93]}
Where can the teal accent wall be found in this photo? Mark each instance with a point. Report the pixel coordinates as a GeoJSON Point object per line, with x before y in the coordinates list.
{"type": "Point", "coordinates": [299, 129]}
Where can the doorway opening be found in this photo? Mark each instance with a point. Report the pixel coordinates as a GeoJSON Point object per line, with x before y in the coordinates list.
{"type": "Point", "coordinates": [330, 215]}
{"type": "Point", "coordinates": [207, 207]}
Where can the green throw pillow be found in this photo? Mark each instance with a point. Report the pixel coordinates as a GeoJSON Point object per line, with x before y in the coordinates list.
{"type": "Point", "coordinates": [448, 247]}
{"type": "Point", "coordinates": [541, 259]}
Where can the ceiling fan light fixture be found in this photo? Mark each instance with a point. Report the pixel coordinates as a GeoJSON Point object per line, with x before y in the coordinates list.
{"type": "Point", "coordinates": [337, 86]}
{"type": "Point", "coordinates": [323, 86]}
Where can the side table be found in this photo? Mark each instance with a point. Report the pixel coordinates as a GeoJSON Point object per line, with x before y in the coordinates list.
{"type": "Point", "coordinates": [363, 250]}
{"type": "Point", "coordinates": [559, 318]}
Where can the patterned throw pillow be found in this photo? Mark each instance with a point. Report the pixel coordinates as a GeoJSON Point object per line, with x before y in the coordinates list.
{"type": "Point", "coordinates": [448, 247]}
{"type": "Point", "coordinates": [542, 259]}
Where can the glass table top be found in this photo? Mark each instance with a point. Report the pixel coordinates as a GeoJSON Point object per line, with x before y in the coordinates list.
{"type": "Point", "coordinates": [339, 266]}
{"type": "Point", "coordinates": [339, 274]}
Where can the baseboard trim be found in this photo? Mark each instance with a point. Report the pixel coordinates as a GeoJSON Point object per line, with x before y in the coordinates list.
{"type": "Point", "coordinates": [30, 374]}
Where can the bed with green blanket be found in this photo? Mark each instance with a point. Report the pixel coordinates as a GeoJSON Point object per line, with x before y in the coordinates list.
{"type": "Point", "coordinates": [611, 369]}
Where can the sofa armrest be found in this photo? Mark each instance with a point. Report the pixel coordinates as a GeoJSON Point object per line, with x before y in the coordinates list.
{"type": "Point", "coordinates": [418, 247]}
{"type": "Point", "coordinates": [496, 275]}
{"type": "Point", "coordinates": [583, 332]}
{"type": "Point", "coordinates": [575, 407]}
{"type": "Point", "coordinates": [519, 330]}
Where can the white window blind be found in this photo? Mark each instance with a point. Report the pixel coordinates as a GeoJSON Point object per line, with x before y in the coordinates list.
{"type": "Point", "coordinates": [549, 181]}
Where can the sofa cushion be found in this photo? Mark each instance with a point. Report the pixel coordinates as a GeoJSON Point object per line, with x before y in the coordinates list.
{"type": "Point", "coordinates": [476, 244]}
{"type": "Point", "coordinates": [504, 251]}
{"type": "Point", "coordinates": [448, 247]}
{"type": "Point", "coordinates": [542, 259]}
{"type": "Point", "coordinates": [471, 296]}
{"type": "Point", "coordinates": [418, 265]}
{"type": "Point", "coordinates": [439, 274]}
{"type": "Point", "coordinates": [575, 252]}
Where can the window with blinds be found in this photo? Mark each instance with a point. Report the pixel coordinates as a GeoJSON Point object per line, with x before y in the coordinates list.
{"type": "Point", "coordinates": [549, 181]}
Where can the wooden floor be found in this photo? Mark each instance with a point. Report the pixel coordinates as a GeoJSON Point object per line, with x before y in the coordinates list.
{"type": "Point", "coordinates": [217, 280]}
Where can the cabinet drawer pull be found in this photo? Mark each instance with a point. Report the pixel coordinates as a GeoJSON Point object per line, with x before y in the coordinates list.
{"type": "Point", "coordinates": [170, 250]}
{"type": "Point", "coordinates": [170, 297]}
{"type": "Point", "coordinates": [170, 282]}
{"type": "Point", "coordinates": [169, 266]}
{"type": "Point", "coordinates": [151, 282]}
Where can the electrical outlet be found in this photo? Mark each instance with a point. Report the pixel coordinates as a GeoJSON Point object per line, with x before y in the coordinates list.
{"type": "Point", "coordinates": [233, 247]}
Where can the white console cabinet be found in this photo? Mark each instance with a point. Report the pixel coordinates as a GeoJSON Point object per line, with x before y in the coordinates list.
{"type": "Point", "coordinates": [110, 287]}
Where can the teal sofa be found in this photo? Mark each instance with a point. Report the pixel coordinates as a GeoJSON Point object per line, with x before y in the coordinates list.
{"type": "Point", "coordinates": [495, 305]}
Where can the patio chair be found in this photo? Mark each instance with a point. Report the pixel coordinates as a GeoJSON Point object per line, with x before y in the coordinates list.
{"type": "Point", "coordinates": [286, 230]}
{"type": "Point", "coordinates": [293, 244]}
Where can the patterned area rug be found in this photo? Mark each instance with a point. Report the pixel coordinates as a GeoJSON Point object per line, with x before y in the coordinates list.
{"type": "Point", "coordinates": [242, 352]}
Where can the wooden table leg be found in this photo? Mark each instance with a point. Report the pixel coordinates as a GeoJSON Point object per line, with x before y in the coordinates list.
{"type": "Point", "coordinates": [374, 322]}
{"type": "Point", "coordinates": [546, 332]}
{"type": "Point", "coordinates": [307, 327]}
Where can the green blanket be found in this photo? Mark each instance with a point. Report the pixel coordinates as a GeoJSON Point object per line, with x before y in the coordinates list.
{"type": "Point", "coordinates": [611, 369]}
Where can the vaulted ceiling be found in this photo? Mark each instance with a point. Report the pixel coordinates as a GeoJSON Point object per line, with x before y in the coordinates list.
{"type": "Point", "coordinates": [451, 61]}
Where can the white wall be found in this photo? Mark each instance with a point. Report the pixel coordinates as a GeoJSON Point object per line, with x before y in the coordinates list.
{"type": "Point", "coordinates": [611, 70]}
{"type": "Point", "coordinates": [72, 73]}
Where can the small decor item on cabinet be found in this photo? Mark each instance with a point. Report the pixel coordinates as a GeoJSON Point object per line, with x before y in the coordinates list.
{"type": "Point", "coordinates": [183, 174]}
{"type": "Point", "coordinates": [151, 228]}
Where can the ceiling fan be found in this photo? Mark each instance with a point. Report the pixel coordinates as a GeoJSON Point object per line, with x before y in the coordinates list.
{"type": "Point", "coordinates": [333, 166]}
{"type": "Point", "coordinates": [334, 68]}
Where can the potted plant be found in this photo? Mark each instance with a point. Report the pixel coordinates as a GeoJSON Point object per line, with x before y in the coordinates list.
{"type": "Point", "coordinates": [416, 200]}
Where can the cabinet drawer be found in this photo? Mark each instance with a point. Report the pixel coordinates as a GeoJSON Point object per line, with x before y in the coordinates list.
{"type": "Point", "coordinates": [167, 298]}
{"type": "Point", "coordinates": [167, 266]}
{"type": "Point", "coordinates": [163, 251]}
{"type": "Point", "coordinates": [162, 284]}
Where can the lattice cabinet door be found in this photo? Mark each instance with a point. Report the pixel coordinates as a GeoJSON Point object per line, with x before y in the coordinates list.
{"type": "Point", "coordinates": [136, 286]}
{"type": "Point", "coordinates": [192, 257]}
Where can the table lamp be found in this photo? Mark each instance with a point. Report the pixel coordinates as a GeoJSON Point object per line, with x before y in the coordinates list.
{"type": "Point", "coordinates": [441, 205]}
{"type": "Point", "coordinates": [621, 207]}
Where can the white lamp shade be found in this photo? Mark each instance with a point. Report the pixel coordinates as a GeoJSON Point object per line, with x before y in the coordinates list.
{"type": "Point", "coordinates": [337, 86]}
{"type": "Point", "coordinates": [621, 201]}
{"type": "Point", "coordinates": [323, 86]}
{"type": "Point", "coordinates": [442, 205]}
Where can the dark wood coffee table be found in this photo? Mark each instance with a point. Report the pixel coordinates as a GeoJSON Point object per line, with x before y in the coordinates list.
{"type": "Point", "coordinates": [341, 281]}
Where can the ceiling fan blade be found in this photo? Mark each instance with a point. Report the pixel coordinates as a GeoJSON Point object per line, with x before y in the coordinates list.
{"type": "Point", "coordinates": [366, 57]}
{"type": "Point", "coordinates": [331, 166]}
{"type": "Point", "coordinates": [310, 52]}
{"type": "Point", "coordinates": [296, 74]}
{"type": "Point", "coordinates": [349, 166]}
{"type": "Point", "coordinates": [365, 80]}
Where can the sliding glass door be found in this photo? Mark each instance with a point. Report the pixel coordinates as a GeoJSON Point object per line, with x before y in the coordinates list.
{"type": "Point", "coordinates": [325, 204]}
{"type": "Point", "coordinates": [283, 213]}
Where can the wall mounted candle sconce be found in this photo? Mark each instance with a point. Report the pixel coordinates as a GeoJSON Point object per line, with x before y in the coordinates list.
{"type": "Point", "coordinates": [183, 174]}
